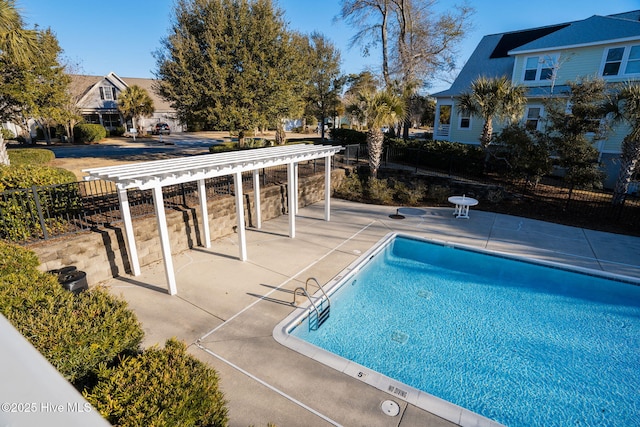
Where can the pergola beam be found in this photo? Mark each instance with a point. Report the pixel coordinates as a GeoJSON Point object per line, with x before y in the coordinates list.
{"type": "Point", "coordinates": [157, 174]}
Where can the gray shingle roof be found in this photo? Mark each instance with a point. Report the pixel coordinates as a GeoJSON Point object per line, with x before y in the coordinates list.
{"type": "Point", "coordinates": [593, 30]}
{"type": "Point", "coordinates": [489, 59]}
{"type": "Point", "coordinates": [480, 64]}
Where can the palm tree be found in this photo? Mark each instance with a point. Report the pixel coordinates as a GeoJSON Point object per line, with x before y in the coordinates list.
{"type": "Point", "coordinates": [381, 108]}
{"type": "Point", "coordinates": [492, 98]}
{"type": "Point", "coordinates": [135, 102]}
{"type": "Point", "coordinates": [625, 106]}
{"type": "Point", "coordinates": [17, 45]}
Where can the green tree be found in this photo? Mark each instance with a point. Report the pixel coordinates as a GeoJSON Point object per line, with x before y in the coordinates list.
{"type": "Point", "coordinates": [17, 46]}
{"type": "Point", "coordinates": [573, 123]}
{"type": "Point", "coordinates": [325, 80]}
{"type": "Point", "coordinates": [135, 102]}
{"type": "Point", "coordinates": [526, 154]}
{"type": "Point", "coordinates": [228, 64]}
{"type": "Point", "coordinates": [380, 108]}
{"type": "Point", "coordinates": [49, 84]}
{"type": "Point", "coordinates": [625, 107]}
{"type": "Point", "coordinates": [492, 99]}
{"type": "Point", "coordinates": [357, 84]}
{"type": "Point", "coordinates": [415, 41]}
{"type": "Point", "coordinates": [35, 89]}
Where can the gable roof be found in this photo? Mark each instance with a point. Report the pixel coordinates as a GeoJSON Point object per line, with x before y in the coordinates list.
{"type": "Point", "coordinates": [159, 103]}
{"type": "Point", "coordinates": [81, 85]}
{"type": "Point", "coordinates": [593, 30]}
{"type": "Point", "coordinates": [493, 57]}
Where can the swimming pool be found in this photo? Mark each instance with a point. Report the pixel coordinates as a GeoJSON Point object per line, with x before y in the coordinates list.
{"type": "Point", "coordinates": [474, 336]}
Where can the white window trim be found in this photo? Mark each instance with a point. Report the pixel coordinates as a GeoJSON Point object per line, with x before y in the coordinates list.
{"type": "Point", "coordinates": [543, 61]}
{"type": "Point", "coordinates": [623, 62]}
{"type": "Point", "coordinates": [460, 117]}
{"type": "Point", "coordinates": [540, 117]}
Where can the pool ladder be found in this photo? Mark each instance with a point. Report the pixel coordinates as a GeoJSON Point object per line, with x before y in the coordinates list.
{"type": "Point", "coordinates": [321, 310]}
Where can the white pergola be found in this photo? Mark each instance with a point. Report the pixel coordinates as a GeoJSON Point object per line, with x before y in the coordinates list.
{"type": "Point", "coordinates": [157, 174]}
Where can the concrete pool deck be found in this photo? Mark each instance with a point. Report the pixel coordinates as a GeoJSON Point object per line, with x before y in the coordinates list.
{"type": "Point", "coordinates": [226, 309]}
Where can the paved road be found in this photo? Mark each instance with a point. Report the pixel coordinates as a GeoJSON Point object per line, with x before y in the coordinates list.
{"type": "Point", "coordinates": [170, 144]}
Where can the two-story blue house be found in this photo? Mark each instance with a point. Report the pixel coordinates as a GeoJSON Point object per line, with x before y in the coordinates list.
{"type": "Point", "coordinates": [543, 59]}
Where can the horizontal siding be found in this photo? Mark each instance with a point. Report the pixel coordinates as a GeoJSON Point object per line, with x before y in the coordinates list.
{"type": "Point", "coordinates": [613, 142]}
{"type": "Point", "coordinates": [577, 63]}
{"type": "Point", "coordinates": [469, 136]}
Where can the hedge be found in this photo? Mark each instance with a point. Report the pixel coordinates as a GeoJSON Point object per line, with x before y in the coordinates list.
{"type": "Point", "coordinates": [93, 339]}
{"type": "Point", "coordinates": [160, 387]}
{"type": "Point", "coordinates": [75, 333]}
{"type": "Point", "coordinates": [57, 193]}
{"type": "Point", "coordinates": [30, 156]}
{"type": "Point", "coordinates": [26, 176]}
{"type": "Point", "coordinates": [87, 133]}
{"type": "Point", "coordinates": [348, 136]}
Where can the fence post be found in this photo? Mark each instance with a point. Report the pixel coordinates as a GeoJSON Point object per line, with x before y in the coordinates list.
{"type": "Point", "coordinates": [36, 198]}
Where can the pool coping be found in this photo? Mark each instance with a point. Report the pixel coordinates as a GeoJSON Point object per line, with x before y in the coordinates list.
{"type": "Point", "coordinates": [437, 406]}
{"type": "Point", "coordinates": [423, 400]}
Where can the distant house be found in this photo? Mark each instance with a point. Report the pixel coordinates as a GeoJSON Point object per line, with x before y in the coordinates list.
{"type": "Point", "coordinates": [97, 100]}
{"type": "Point", "coordinates": [543, 59]}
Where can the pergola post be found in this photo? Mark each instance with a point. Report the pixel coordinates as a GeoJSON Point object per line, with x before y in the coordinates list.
{"type": "Point", "coordinates": [295, 186]}
{"type": "Point", "coordinates": [256, 197]}
{"type": "Point", "coordinates": [158, 202]}
{"type": "Point", "coordinates": [242, 238]}
{"type": "Point", "coordinates": [128, 231]}
{"type": "Point", "coordinates": [327, 188]}
{"type": "Point", "coordinates": [292, 190]}
{"type": "Point", "coordinates": [202, 195]}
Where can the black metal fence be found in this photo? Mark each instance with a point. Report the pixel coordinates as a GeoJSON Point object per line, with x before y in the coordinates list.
{"type": "Point", "coordinates": [552, 199]}
{"type": "Point", "coordinates": [43, 212]}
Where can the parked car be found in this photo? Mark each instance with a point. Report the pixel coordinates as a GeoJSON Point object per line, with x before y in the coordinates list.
{"type": "Point", "coordinates": [161, 128]}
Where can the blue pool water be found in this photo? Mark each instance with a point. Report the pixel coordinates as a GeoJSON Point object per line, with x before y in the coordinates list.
{"type": "Point", "coordinates": [516, 342]}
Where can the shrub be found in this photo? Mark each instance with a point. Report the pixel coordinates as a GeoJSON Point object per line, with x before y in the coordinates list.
{"type": "Point", "coordinates": [30, 156]}
{"type": "Point", "coordinates": [118, 131]}
{"type": "Point", "coordinates": [378, 191]}
{"type": "Point", "coordinates": [351, 187]}
{"type": "Point", "coordinates": [7, 134]}
{"type": "Point", "coordinates": [87, 133]}
{"type": "Point", "coordinates": [75, 333]}
{"type": "Point", "coordinates": [409, 195]}
{"type": "Point", "coordinates": [159, 387]}
{"type": "Point", "coordinates": [19, 219]}
{"type": "Point", "coordinates": [26, 176]}
{"type": "Point", "coordinates": [348, 136]}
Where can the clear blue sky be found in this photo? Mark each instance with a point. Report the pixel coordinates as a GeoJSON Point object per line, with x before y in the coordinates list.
{"type": "Point", "coordinates": [120, 35]}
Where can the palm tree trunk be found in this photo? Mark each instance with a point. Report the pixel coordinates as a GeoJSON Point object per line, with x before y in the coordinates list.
{"type": "Point", "coordinates": [375, 139]}
{"type": "Point", "coordinates": [629, 163]}
{"type": "Point", "coordinates": [4, 156]}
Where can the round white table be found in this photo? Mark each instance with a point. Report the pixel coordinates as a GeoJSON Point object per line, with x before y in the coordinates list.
{"type": "Point", "coordinates": [462, 205]}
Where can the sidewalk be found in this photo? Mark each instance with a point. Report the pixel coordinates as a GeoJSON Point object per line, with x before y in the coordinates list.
{"type": "Point", "coordinates": [226, 309]}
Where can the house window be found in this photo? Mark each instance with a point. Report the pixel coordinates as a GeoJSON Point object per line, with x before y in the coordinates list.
{"type": "Point", "coordinates": [622, 60]}
{"type": "Point", "coordinates": [111, 121]}
{"type": "Point", "coordinates": [540, 67]}
{"type": "Point", "coordinates": [533, 118]}
{"type": "Point", "coordinates": [633, 62]}
{"type": "Point", "coordinates": [531, 69]}
{"type": "Point", "coordinates": [91, 118]}
{"type": "Point", "coordinates": [108, 93]}
{"type": "Point", "coordinates": [614, 60]}
{"type": "Point", "coordinates": [465, 121]}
